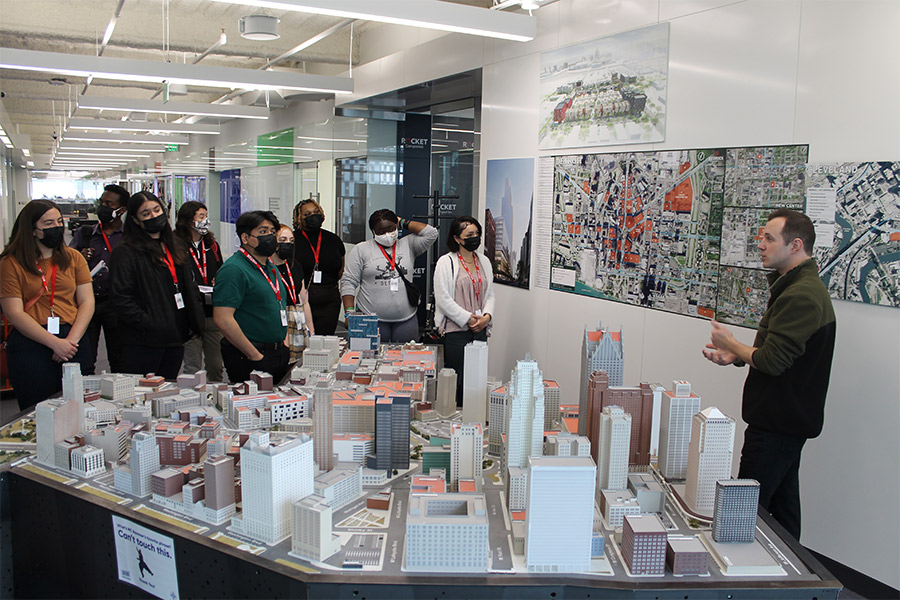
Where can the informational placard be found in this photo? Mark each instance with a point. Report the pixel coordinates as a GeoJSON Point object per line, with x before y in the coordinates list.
{"type": "Point", "coordinates": [543, 224]}
{"type": "Point", "coordinates": [145, 559]}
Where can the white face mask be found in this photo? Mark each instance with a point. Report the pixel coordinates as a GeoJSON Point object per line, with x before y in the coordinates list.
{"type": "Point", "coordinates": [387, 239]}
{"type": "Point", "coordinates": [202, 227]}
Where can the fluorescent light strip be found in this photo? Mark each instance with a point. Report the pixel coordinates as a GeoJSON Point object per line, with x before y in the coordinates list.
{"type": "Point", "coordinates": [127, 137]}
{"type": "Point", "coordinates": [65, 146]}
{"type": "Point", "coordinates": [154, 126]}
{"type": "Point", "coordinates": [428, 14]}
{"type": "Point", "coordinates": [125, 69]}
{"type": "Point", "coordinates": [61, 153]}
{"type": "Point", "coordinates": [232, 111]}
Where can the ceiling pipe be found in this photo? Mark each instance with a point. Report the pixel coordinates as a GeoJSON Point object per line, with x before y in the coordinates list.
{"type": "Point", "coordinates": [106, 37]}
{"type": "Point", "coordinates": [223, 39]}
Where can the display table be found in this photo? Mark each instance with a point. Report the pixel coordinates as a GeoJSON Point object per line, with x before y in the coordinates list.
{"type": "Point", "coordinates": [62, 546]}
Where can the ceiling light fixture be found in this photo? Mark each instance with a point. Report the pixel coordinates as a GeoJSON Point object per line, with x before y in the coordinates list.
{"type": "Point", "coordinates": [86, 124]}
{"type": "Point", "coordinates": [428, 14]}
{"type": "Point", "coordinates": [126, 69]}
{"type": "Point", "coordinates": [259, 28]}
{"type": "Point", "coordinates": [91, 136]}
{"type": "Point", "coordinates": [227, 111]}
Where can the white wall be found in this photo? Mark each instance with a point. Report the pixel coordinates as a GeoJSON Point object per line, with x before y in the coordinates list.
{"type": "Point", "coordinates": [740, 73]}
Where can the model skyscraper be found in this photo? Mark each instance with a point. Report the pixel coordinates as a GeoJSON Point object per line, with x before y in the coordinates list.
{"type": "Point", "coordinates": [363, 332]}
{"type": "Point", "coordinates": [273, 477]}
{"type": "Point", "coordinates": [677, 411]}
{"type": "Point", "coordinates": [55, 420]}
{"type": "Point", "coordinates": [466, 449]}
{"type": "Point", "coordinates": [391, 433]}
{"type": "Point", "coordinates": [644, 544]}
{"type": "Point", "coordinates": [560, 514]}
{"type": "Point", "coordinates": [143, 462]}
{"type": "Point", "coordinates": [734, 518]}
{"type": "Point", "coordinates": [637, 402]}
{"type": "Point", "coordinates": [612, 452]}
{"type": "Point", "coordinates": [323, 419]}
{"type": "Point", "coordinates": [475, 379]}
{"type": "Point", "coordinates": [601, 350]}
{"type": "Point", "coordinates": [445, 398]}
{"type": "Point", "coordinates": [709, 460]}
{"type": "Point", "coordinates": [525, 437]}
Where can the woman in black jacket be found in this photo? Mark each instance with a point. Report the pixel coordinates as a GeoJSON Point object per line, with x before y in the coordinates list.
{"type": "Point", "coordinates": [153, 292]}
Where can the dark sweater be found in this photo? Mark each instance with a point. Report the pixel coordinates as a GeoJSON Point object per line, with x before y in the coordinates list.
{"type": "Point", "coordinates": [785, 392]}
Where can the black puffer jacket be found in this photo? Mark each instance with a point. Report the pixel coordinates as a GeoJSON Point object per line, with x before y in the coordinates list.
{"type": "Point", "coordinates": [142, 290]}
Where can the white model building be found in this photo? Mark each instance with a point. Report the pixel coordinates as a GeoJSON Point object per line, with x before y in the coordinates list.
{"type": "Point", "coordinates": [475, 382]}
{"type": "Point", "coordinates": [567, 444]}
{"type": "Point", "coordinates": [498, 418]}
{"type": "Point", "coordinates": [709, 460]}
{"type": "Point", "coordinates": [526, 423]}
{"type": "Point", "coordinates": [466, 449]}
{"type": "Point", "coordinates": [55, 420]}
{"type": "Point", "coordinates": [445, 398]}
{"type": "Point", "coordinates": [615, 505]}
{"type": "Point", "coordinates": [113, 440]}
{"type": "Point", "coordinates": [560, 514]}
{"type": "Point", "coordinates": [340, 486]}
{"type": "Point", "coordinates": [677, 410]}
{"type": "Point", "coordinates": [273, 477]}
{"type": "Point", "coordinates": [613, 451]}
{"type": "Point", "coordinates": [87, 461]}
{"type": "Point", "coordinates": [447, 533]}
{"type": "Point", "coordinates": [312, 537]}
{"type": "Point", "coordinates": [323, 428]}
{"type": "Point", "coordinates": [322, 353]}
{"type": "Point", "coordinates": [601, 350]}
{"type": "Point", "coordinates": [353, 447]}
{"type": "Point", "coordinates": [117, 387]}
{"type": "Point", "coordinates": [143, 461]}
{"type": "Point", "coordinates": [73, 389]}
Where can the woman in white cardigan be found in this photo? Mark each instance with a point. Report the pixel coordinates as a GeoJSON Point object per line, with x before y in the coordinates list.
{"type": "Point", "coordinates": [463, 295]}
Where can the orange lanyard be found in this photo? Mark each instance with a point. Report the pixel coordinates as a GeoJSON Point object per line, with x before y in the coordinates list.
{"type": "Point", "coordinates": [52, 290]}
{"type": "Point", "coordinates": [275, 287]}
{"type": "Point", "coordinates": [477, 287]}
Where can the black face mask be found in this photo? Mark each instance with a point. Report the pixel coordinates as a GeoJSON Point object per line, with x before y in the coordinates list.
{"type": "Point", "coordinates": [155, 224]}
{"type": "Point", "coordinates": [53, 236]}
{"type": "Point", "coordinates": [471, 244]}
{"type": "Point", "coordinates": [285, 250]}
{"type": "Point", "coordinates": [266, 244]}
{"type": "Point", "coordinates": [314, 221]}
{"type": "Point", "coordinates": [106, 214]}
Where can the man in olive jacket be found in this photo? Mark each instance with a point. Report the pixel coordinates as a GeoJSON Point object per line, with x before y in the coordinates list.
{"type": "Point", "coordinates": [790, 364]}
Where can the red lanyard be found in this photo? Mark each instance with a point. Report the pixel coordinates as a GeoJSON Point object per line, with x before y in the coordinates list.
{"type": "Point", "coordinates": [291, 288]}
{"type": "Point", "coordinates": [52, 290]}
{"type": "Point", "coordinates": [391, 258]}
{"type": "Point", "coordinates": [477, 270]}
{"type": "Point", "coordinates": [275, 287]}
{"type": "Point", "coordinates": [202, 269]}
{"type": "Point", "coordinates": [315, 250]}
{"type": "Point", "coordinates": [171, 264]}
{"type": "Point", "coordinates": [105, 239]}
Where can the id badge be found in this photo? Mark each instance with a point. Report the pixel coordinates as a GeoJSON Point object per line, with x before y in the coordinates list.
{"type": "Point", "coordinates": [284, 318]}
{"type": "Point", "coordinates": [478, 313]}
{"type": "Point", "coordinates": [179, 301]}
{"type": "Point", "coordinates": [317, 276]}
{"type": "Point", "coordinates": [53, 325]}
{"type": "Point", "coordinates": [395, 284]}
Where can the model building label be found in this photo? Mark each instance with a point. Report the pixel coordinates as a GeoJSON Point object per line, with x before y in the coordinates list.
{"type": "Point", "coordinates": [145, 559]}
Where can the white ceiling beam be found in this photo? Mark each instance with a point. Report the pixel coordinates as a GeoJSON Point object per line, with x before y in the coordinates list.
{"type": "Point", "coordinates": [88, 124]}
{"type": "Point", "coordinates": [227, 111]}
{"type": "Point", "coordinates": [90, 136]}
{"type": "Point", "coordinates": [126, 69]}
{"type": "Point", "coordinates": [428, 14]}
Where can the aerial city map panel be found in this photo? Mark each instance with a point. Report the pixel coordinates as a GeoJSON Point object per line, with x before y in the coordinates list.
{"type": "Point", "coordinates": [862, 262]}
{"type": "Point", "coordinates": [675, 230]}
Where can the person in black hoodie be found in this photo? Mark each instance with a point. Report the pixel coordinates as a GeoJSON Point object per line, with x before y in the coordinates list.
{"type": "Point", "coordinates": [153, 291]}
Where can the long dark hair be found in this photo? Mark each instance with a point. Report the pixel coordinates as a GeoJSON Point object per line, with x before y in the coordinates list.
{"type": "Point", "coordinates": [22, 244]}
{"type": "Point", "coordinates": [459, 225]}
{"type": "Point", "coordinates": [137, 238]}
{"type": "Point", "coordinates": [184, 222]}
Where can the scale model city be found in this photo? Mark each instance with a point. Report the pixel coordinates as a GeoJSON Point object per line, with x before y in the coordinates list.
{"type": "Point", "coordinates": [362, 462]}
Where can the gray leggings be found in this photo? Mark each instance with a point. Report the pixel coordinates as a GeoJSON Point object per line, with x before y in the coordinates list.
{"type": "Point", "coordinates": [399, 332]}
